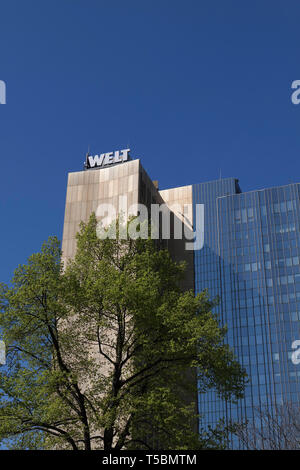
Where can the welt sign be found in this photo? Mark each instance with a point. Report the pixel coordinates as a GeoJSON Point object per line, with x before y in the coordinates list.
{"type": "Point", "coordinates": [106, 159]}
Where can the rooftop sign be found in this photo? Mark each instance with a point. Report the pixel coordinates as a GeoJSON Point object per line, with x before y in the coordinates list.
{"type": "Point", "coordinates": [106, 159]}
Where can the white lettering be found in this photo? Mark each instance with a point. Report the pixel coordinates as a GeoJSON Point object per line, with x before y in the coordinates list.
{"type": "Point", "coordinates": [109, 158]}
{"type": "Point", "coordinates": [117, 158]}
{"type": "Point", "coordinates": [96, 160]}
{"type": "Point", "coordinates": [2, 92]}
{"type": "Point", "coordinates": [125, 154]}
{"type": "Point", "coordinates": [2, 353]}
{"type": "Point", "coordinates": [116, 460]}
{"type": "Point", "coordinates": [296, 94]}
{"type": "Point", "coordinates": [296, 354]}
{"type": "Point", "coordinates": [198, 243]}
{"type": "Point", "coordinates": [138, 226]}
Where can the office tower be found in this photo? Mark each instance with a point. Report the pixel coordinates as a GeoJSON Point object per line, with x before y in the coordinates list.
{"type": "Point", "coordinates": [123, 185]}
{"type": "Point", "coordinates": [250, 260]}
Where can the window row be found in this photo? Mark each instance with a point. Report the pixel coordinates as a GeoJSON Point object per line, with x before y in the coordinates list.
{"type": "Point", "coordinates": [248, 215]}
{"type": "Point", "coordinates": [283, 280]}
{"type": "Point", "coordinates": [253, 267]}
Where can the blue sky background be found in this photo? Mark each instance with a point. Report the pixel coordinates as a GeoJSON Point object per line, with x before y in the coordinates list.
{"type": "Point", "coordinates": [190, 86]}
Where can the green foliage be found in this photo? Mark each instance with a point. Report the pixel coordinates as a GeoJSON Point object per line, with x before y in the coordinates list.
{"type": "Point", "coordinates": [107, 351]}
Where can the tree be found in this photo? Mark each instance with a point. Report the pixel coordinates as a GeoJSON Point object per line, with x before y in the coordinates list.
{"type": "Point", "coordinates": [275, 427]}
{"type": "Point", "coordinates": [103, 353]}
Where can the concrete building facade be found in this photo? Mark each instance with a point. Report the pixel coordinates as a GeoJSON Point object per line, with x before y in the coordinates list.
{"type": "Point", "coordinates": [88, 189]}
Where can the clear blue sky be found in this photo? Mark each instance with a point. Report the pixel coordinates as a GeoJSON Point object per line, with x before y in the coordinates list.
{"type": "Point", "coordinates": [191, 86]}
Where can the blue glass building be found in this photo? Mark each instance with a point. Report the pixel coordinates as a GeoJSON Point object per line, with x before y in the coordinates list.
{"type": "Point", "coordinates": [250, 259]}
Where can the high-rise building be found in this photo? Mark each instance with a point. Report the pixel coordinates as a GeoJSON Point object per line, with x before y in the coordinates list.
{"type": "Point", "coordinates": [124, 185]}
{"type": "Point", "coordinates": [250, 260]}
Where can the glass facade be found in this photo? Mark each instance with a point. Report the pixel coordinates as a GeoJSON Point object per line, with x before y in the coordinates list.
{"type": "Point", "coordinates": [250, 259]}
